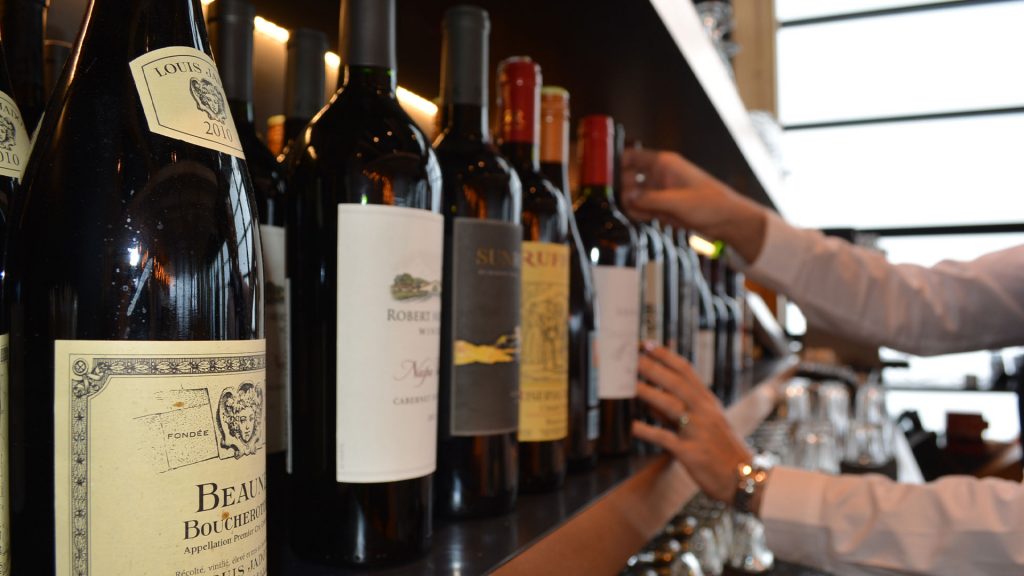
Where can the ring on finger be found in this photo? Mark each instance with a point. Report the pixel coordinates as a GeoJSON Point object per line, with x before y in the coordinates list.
{"type": "Point", "coordinates": [682, 422]}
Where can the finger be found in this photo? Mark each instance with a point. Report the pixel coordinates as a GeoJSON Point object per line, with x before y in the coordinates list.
{"type": "Point", "coordinates": [666, 203]}
{"type": "Point", "coordinates": [639, 159]}
{"type": "Point", "coordinates": [674, 382]}
{"type": "Point", "coordinates": [667, 404]}
{"type": "Point", "coordinates": [694, 384]}
{"type": "Point", "coordinates": [664, 437]}
{"type": "Point", "coordinates": [669, 358]}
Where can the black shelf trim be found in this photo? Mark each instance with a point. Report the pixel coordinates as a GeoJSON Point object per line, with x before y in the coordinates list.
{"type": "Point", "coordinates": [887, 12]}
{"type": "Point", "coordinates": [906, 118]}
{"type": "Point", "coordinates": [944, 230]}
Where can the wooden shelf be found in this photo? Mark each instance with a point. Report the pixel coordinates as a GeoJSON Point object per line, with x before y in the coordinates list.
{"type": "Point", "coordinates": [591, 526]}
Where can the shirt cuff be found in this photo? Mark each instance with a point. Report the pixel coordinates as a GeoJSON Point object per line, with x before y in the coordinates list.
{"type": "Point", "coordinates": [791, 513]}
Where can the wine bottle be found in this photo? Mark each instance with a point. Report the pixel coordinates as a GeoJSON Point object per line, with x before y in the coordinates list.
{"type": "Point", "coordinates": [704, 359]}
{"type": "Point", "coordinates": [55, 54]}
{"type": "Point", "coordinates": [477, 469]}
{"type": "Point", "coordinates": [304, 80]}
{"type": "Point", "coordinates": [687, 297]}
{"type": "Point", "coordinates": [14, 149]}
{"type": "Point", "coordinates": [732, 286]}
{"type": "Point", "coordinates": [544, 311]}
{"type": "Point", "coordinates": [231, 28]}
{"type": "Point", "coordinates": [135, 282]}
{"type": "Point", "coordinates": [671, 287]}
{"type": "Point", "coordinates": [724, 330]}
{"type": "Point", "coordinates": [583, 400]}
{"type": "Point", "coordinates": [21, 27]}
{"type": "Point", "coordinates": [613, 247]}
{"type": "Point", "coordinates": [364, 252]}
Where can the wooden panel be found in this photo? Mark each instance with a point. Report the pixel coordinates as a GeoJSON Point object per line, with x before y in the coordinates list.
{"type": "Point", "coordinates": [755, 63]}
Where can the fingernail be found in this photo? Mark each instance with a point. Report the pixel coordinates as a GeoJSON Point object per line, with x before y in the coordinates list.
{"type": "Point", "coordinates": [650, 345]}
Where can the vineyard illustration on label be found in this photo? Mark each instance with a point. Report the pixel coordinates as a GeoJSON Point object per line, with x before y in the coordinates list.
{"type": "Point", "coordinates": [208, 99]}
{"type": "Point", "coordinates": [546, 335]}
{"type": "Point", "coordinates": [407, 287]}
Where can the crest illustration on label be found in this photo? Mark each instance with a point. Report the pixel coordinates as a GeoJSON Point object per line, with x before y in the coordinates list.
{"type": "Point", "coordinates": [182, 97]}
{"type": "Point", "coordinates": [15, 143]}
{"type": "Point", "coordinates": [172, 431]}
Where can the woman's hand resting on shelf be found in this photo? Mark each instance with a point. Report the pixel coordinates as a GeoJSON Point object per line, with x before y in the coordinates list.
{"type": "Point", "coordinates": [666, 186]}
{"type": "Point", "coordinates": [696, 431]}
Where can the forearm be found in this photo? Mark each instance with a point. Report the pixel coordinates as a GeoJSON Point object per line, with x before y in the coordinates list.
{"type": "Point", "coordinates": [861, 524]}
{"type": "Point", "coordinates": [952, 307]}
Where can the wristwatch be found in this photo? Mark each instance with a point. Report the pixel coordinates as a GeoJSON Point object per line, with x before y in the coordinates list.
{"type": "Point", "coordinates": [750, 479]}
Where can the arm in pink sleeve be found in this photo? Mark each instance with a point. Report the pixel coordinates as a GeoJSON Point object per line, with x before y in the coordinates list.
{"type": "Point", "coordinates": [951, 307]}
{"type": "Point", "coordinates": [852, 525]}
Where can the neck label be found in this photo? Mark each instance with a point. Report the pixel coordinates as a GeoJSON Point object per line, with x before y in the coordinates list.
{"type": "Point", "coordinates": [183, 98]}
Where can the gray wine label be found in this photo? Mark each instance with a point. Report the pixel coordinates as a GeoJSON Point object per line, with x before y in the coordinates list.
{"type": "Point", "coordinates": [14, 139]}
{"type": "Point", "coordinates": [486, 265]}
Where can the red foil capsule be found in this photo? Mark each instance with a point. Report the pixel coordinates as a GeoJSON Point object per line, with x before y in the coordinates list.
{"type": "Point", "coordinates": [595, 134]}
{"type": "Point", "coordinates": [519, 82]}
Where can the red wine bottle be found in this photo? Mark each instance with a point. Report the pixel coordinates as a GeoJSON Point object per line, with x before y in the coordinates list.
{"type": "Point", "coordinates": [231, 36]}
{"type": "Point", "coordinates": [722, 382]}
{"type": "Point", "coordinates": [544, 312]}
{"type": "Point", "coordinates": [478, 468]}
{"type": "Point", "coordinates": [135, 292]}
{"type": "Point", "coordinates": [671, 288]}
{"type": "Point", "coordinates": [14, 148]}
{"type": "Point", "coordinates": [689, 299]}
{"type": "Point", "coordinates": [304, 80]}
{"type": "Point", "coordinates": [583, 400]}
{"type": "Point", "coordinates": [705, 338]}
{"type": "Point", "coordinates": [613, 248]}
{"type": "Point", "coordinates": [364, 253]}
{"type": "Point", "coordinates": [22, 25]}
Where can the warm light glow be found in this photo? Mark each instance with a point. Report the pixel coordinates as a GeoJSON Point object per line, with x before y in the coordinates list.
{"type": "Point", "coordinates": [704, 247]}
{"type": "Point", "coordinates": [207, 2]}
{"type": "Point", "coordinates": [332, 60]}
{"type": "Point", "coordinates": [270, 29]}
{"type": "Point", "coordinates": [410, 98]}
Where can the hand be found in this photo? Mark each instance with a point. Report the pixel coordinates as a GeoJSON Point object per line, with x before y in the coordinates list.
{"type": "Point", "coordinates": [707, 446]}
{"type": "Point", "coordinates": [666, 186]}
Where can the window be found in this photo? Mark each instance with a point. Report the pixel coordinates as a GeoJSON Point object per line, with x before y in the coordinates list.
{"type": "Point", "coordinates": [905, 114]}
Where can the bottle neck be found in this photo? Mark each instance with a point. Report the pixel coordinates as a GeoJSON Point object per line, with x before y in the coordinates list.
{"type": "Point", "coordinates": [523, 155]}
{"type": "Point", "coordinates": [370, 79]}
{"type": "Point", "coordinates": [558, 174]}
{"type": "Point", "coordinates": [468, 120]}
{"type": "Point", "coordinates": [241, 111]}
{"type": "Point", "coordinates": [597, 193]}
{"type": "Point", "coordinates": [148, 21]}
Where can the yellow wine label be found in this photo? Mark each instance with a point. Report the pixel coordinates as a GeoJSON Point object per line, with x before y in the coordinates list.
{"type": "Point", "coordinates": [183, 98]}
{"type": "Point", "coordinates": [14, 139]}
{"type": "Point", "coordinates": [159, 457]}
{"type": "Point", "coordinates": [5, 534]}
{"type": "Point", "coordinates": [544, 371]}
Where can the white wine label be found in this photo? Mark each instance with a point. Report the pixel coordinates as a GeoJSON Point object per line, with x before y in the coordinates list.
{"type": "Point", "coordinates": [159, 459]}
{"type": "Point", "coordinates": [618, 335]}
{"type": "Point", "coordinates": [15, 140]}
{"type": "Point", "coordinates": [182, 96]}
{"type": "Point", "coordinates": [704, 360]}
{"type": "Point", "coordinates": [486, 268]}
{"type": "Point", "coordinates": [544, 365]}
{"type": "Point", "coordinates": [276, 322]}
{"type": "Point", "coordinates": [389, 342]}
{"type": "Point", "coordinates": [5, 534]}
{"type": "Point", "coordinates": [654, 301]}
